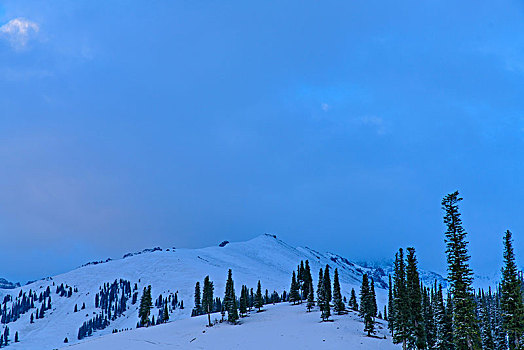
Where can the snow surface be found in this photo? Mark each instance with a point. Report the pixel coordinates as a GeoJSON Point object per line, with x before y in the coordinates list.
{"type": "Point", "coordinates": [264, 258]}
{"type": "Point", "coordinates": [281, 326]}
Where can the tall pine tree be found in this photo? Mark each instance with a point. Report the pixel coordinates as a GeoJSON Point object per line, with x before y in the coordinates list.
{"type": "Point", "coordinates": [366, 306]}
{"type": "Point", "coordinates": [259, 301]}
{"type": "Point", "coordinates": [146, 303]}
{"type": "Point", "coordinates": [197, 310]}
{"type": "Point", "coordinates": [207, 298]}
{"type": "Point", "coordinates": [230, 300]}
{"type": "Point", "coordinates": [337, 295]}
{"type": "Point", "coordinates": [511, 296]}
{"type": "Point", "coordinates": [415, 328]}
{"type": "Point", "coordinates": [460, 276]}
{"type": "Point", "coordinates": [400, 308]}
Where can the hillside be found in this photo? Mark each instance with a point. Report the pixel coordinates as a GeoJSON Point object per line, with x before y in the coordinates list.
{"type": "Point", "coordinates": [281, 326]}
{"type": "Point", "coordinates": [169, 271]}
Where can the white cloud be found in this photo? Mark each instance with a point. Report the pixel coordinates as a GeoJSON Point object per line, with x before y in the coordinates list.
{"type": "Point", "coordinates": [18, 32]}
{"type": "Point", "coordinates": [325, 107]}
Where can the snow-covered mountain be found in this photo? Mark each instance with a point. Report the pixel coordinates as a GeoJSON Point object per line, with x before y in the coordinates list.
{"type": "Point", "coordinates": [265, 258]}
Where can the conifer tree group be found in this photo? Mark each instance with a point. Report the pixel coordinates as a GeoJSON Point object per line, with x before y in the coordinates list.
{"type": "Point", "coordinates": [420, 318]}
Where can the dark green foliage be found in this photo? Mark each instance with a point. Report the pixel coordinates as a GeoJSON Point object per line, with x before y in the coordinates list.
{"type": "Point", "coordinates": [415, 326]}
{"type": "Point", "coordinates": [465, 324]}
{"type": "Point", "coordinates": [198, 306]}
{"type": "Point", "coordinates": [207, 298]}
{"type": "Point", "coordinates": [294, 294]}
{"type": "Point", "coordinates": [428, 316]}
{"type": "Point", "coordinates": [146, 303]}
{"type": "Point", "coordinates": [374, 307]}
{"type": "Point", "coordinates": [322, 296]}
{"type": "Point", "coordinates": [399, 310]}
{"type": "Point", "coordinates": [353, 303]}
{"type": "Point", "coordinates": [337, 295]}
{"type": "Point", "coordinates": [443, 340]}
{"type": "Point", "coordinates": [391, 316]}
{"type": "Point", "coordinates": [319, 285]}
{"type": "Point", "coordinates": [242, 306]}
{"type": "Point", "coordinates": [310, 298]}
{"type": "Point", "coordinates": [165, 314]}
{"type": "Point", "coordinates": [486, 334]}
{"type": "Point", "coordinates": [259, 302]}
{"type": "Point", "coordinates": [511, 296]}
{"type": "Point", "coordinates": [327, 284]}
{"type": "Point", "coordinates": [230, 300]}
{"type": "Point", "coordinates": [308, 280]}
{"type": "Point", "coordinates": [366, 306]}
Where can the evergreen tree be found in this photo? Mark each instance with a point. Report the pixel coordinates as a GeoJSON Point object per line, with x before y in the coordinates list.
{"type": "Point", "coordinates": [327, 284]}
{"type": "Point", "coordinates": [366, 306]}
{"type": "Point", "coordinates": [301, 280]}
{"type": "Point", "coordinates": [207, 298]}
{"type": "Point", "coordinates": [232, 314]}
{"type": "Point", "coordinates": [428, 315]}
{"type": "Point", "coordinates": [230, 300]}
{"type": "Point", "coordinates": [294, 295]}
{"type": "Point", "coordinates": [400, 310]}
{"type": "Point", "coordinates": [499, 334]}
{"type": "Point", "coordinates": [448, 324]}
{"type": "Point", "coordinates": [165, 314]}
{"type": "Point", "coordinates": [415, 327]}
{"type": "Point", "coordinates": [465, 325]}
{"type": "Point", "coordinates": [198, 305]}
{"type": "Point", "coordinates": [320, 282]}
{"type": "Point", "coordinates": [353, 304]}
{"type": "Point", "coordinates": [146, 303]}
{"type": "Point", "coordinates": [511, 296]}
{"type": "Point", "coordinates": [441, 328]}
{"type": "Point", "coordinates": [243, 301]}
{"type": "Point", "coordinates": [323, 303]}
{"type": "Point", "coordinates": [374, 307]}
{"type": "Point", "coordinates": [259, 302]}
{"type": "Point", "coordinates": [337, 295]}
{"type": "Point", "coordinates": [486, 335]}
{"type": "Point", "coordinates": [310, 298]}
{"type": "Point", "coordinates": [391, 318]}
{"type": "Point", "coordinates": [308, 280]}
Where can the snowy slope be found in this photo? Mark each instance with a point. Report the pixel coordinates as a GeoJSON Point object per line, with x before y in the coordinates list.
{"type": "Point", "coordinates": [265, 257]}
{"type": "Point", "coordinates": [281, 326]}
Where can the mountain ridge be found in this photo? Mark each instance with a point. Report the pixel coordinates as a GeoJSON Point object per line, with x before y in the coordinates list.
{"type": "Point", "coordinates": [171, 272]}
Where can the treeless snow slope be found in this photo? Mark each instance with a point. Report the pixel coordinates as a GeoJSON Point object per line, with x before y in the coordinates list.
{"type": "Point", "coordinates": [281, 326]}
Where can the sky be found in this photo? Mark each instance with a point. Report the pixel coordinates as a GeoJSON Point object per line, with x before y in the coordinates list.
{"type": "Point", "coordinates": [337, 125]}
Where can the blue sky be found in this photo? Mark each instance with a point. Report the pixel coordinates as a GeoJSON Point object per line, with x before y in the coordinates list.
{"type": "Point", "coordinates": [338, 125]}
